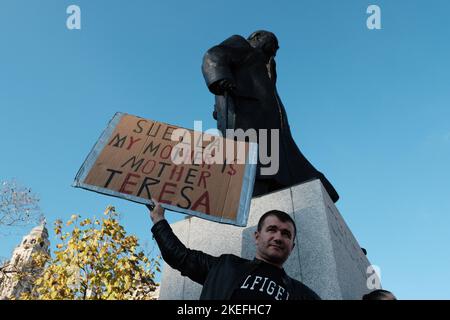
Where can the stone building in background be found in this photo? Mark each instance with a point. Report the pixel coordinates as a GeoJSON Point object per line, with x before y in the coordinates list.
{"type": "Point", "coordinates": [17, 275]}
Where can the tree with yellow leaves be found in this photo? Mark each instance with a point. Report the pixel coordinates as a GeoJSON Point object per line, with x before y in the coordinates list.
{"type": "Point", "coordinates": [96, 260]}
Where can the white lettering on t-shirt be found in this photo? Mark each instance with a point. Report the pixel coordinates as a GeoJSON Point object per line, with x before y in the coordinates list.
{"type": "Point", "coordinates": [280, 293]}
{"type": "Point", "coordinates": [271, 288]}
{"type": "Point", "coordinates": [262, 287]}
{"type": "Point", "coordinates": [244, 285]}
{"type": "Point", "coordinates": [265, 285]}
{"type": "Point", "coordinates": [257, 280]}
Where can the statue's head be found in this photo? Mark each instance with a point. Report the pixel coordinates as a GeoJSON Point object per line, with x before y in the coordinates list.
{"type": "Point", "coordinates": [264, 40]}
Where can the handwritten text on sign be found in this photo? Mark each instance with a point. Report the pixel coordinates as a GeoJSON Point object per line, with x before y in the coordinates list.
{"type": "Point", "coordinates": [137, 161]}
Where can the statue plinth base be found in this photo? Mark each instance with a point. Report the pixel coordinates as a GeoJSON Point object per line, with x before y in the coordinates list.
{"type": "Point", "coordinates": [327, 257]}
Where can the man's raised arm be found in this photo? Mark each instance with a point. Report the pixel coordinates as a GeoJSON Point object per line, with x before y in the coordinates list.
{"type": "Point", "coordinates": [191, 263]}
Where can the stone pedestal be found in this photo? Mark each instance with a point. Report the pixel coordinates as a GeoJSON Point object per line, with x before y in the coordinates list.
{"type": "Point", "coordinates": [327, 257]}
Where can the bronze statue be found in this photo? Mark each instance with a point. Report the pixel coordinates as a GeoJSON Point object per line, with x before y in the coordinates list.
{"type": "Point", "coordinates": [242, 75]}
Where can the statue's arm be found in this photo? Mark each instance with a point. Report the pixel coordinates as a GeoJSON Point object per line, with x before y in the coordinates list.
{"type": "Point", "coordinates": [218, 63]}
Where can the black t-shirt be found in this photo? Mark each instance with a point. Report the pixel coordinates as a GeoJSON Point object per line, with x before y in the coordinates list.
{"type": "Point", "coordinates": [264, 283]}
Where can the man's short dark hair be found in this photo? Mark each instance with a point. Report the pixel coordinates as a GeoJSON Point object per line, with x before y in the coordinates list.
{"type": "Point", "coordinates": [282, 216]}
{"type": "Point", "coordinates": [379, 294]}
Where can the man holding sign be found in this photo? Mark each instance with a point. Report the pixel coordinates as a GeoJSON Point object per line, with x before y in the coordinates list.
{"type": "Point", "coordinates": [229, 277]}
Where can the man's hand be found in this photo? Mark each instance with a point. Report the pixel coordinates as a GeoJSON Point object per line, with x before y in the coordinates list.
{"type": "Point", "coordinates": [156, 213]}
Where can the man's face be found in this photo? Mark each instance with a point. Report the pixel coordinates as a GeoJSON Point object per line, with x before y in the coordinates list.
{"type": "Point", "coordinates": [275, 241]}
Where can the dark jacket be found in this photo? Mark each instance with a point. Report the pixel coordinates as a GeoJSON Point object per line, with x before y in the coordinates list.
{"type": "Point", "coordinates": [220, 276]}
{"type": "Point", "coordinates": [256, 104]}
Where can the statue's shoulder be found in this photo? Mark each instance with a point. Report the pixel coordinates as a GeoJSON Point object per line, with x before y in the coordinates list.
{"type": "Point", "coordinates": [236, 41]}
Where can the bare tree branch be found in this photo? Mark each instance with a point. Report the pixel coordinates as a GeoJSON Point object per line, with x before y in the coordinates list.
{"type": "Point", "coordinates": [18, 205]}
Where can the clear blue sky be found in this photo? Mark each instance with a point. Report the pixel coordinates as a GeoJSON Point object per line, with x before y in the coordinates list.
{"type": "Point", "coordinates": [370, 109]}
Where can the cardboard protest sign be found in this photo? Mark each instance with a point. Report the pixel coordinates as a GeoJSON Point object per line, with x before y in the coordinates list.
{"type": "Point", "coordinates": [140, 159]}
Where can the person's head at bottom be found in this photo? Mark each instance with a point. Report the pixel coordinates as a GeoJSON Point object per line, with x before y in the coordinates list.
{"type": "Point", "coordinates": [379, 294]}
{"type": "Point", "coordinates": [275, 237]}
